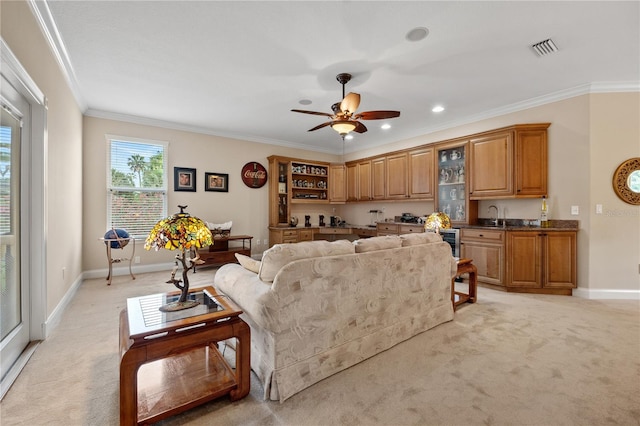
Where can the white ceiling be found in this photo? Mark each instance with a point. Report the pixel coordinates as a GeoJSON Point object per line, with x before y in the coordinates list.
{"type": "Point", "coordinates": [237, 68]}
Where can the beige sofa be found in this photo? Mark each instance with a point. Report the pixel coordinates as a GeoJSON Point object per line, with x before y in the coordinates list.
{"type": "Point", "coordinates": [316, 308]}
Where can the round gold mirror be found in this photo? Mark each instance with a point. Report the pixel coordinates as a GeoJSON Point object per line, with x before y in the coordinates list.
{"type": "Point", "coordinates": [626, 181]}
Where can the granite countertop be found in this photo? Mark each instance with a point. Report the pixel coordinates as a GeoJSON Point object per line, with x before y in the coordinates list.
{"type": "Point", "coordinates": [525, 225]}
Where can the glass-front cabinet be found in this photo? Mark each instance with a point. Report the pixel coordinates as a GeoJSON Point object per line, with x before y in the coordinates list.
{"type": "Point", "coordinates": [452, 196]}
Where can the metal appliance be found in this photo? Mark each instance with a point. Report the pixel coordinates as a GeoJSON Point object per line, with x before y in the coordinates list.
{"type": "Point", "coordinates": [452, 236]}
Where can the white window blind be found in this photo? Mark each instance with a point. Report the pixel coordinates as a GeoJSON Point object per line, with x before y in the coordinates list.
{"type": "Point", "coordinates": [136, 185]}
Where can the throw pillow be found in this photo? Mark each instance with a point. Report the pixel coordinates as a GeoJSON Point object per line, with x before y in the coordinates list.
{"type": "Point", "coordinates": [420, 238]}
{"type": "Point", "coordinates": [248, 263]}
{"type": "Point", "coordinates": [377, 243]}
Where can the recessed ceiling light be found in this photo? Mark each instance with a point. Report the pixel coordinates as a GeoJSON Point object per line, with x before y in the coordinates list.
{"type": "Point", "coordinates": [304, 102]}
{"type": "Point", "coordinates": [417, 34]}
{"type": "Point", "coordinates": [385, 126]}
{"type": "Point", "coordinates": [438, 108]}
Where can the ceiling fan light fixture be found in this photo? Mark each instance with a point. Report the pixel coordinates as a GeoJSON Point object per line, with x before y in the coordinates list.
{"type": "Point", "coordinates": [343, 127]}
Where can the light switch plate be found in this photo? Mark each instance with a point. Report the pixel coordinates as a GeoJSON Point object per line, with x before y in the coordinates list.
{"type": "Point", "coordinates": [598, 208]}
{"type": "Point", "coordinates": [575, 210]}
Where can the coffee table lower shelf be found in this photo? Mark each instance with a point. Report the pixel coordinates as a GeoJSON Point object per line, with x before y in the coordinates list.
{"type": "Point", "coordinates": [180, 382]}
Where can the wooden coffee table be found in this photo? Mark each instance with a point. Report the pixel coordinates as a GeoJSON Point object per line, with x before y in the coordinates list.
{"type": "Point", "coordinates": [170, 360]}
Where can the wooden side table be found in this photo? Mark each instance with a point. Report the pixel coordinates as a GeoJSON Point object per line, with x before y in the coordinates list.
{"type": "Point", "coordinates": [220, 253]}
{"type": "Point", "coordinates": [169, 361]}
{"type": "Point", "coordinates": [465, 266]}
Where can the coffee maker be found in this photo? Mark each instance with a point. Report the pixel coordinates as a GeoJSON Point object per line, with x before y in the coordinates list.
{"type": "Point", "coordinates": [334, 221]}
{"type": "Point", "coordinates": [321, 222]}
{"type": "Point", "coordinates": [307, 221]}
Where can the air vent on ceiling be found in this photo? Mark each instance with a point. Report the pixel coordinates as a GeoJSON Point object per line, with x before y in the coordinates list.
{"type": "Point", "coordinates": [545, 47]}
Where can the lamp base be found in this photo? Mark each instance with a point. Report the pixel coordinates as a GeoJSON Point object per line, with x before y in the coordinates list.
{"type": "Point", "coordinates": [178, 306]}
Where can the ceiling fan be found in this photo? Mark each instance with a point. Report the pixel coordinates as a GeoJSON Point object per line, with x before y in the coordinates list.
{"type": "Point", "coordinates": [344, 118]}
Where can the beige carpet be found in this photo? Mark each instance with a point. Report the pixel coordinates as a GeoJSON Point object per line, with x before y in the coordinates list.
{"type": "Point", "coordinates": [510, 359]}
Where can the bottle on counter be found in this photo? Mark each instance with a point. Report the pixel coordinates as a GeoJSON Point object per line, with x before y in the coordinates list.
{"type": "Point", "coordinates": [544, 220]}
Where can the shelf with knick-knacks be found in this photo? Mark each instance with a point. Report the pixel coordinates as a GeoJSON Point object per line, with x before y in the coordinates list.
{"type": "Point", "coordinates": [309, 182]}
{"type": "Point", "coordinates": [452, 195]}
{"type": "Point", "coordinates": [298, 182]}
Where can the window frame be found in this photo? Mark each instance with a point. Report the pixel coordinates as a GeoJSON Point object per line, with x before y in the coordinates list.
{"type": "Point", "coordinates": [110, 188]}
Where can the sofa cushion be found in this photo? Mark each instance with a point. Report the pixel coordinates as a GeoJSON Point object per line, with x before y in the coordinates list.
{"type": "Point", "coordinates": [420, 238]}
{"type": "Point", "coordinates": [377, 243]}
{"type": "Point", "coordinates": [248, 263]}
{"type": "Point", "coordinates": [280, 255]}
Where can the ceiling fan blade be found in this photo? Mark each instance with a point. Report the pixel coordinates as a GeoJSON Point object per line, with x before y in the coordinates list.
{"type": "Point", "coordinates": [377, 115]}
{"type": "Point", "coordinates": [312, 112]}
{"type": "Point", "coordinates": [350, 102]}
{"type": "Point", "coordinates": [360, 128]}
{"type": "Point", "coordinates": [320, 126]}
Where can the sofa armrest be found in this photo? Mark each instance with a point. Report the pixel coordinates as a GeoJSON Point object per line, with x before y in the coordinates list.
{"type": "Point", "coordinates": [247, 291]}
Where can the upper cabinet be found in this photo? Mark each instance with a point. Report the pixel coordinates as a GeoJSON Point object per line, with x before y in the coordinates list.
{"type": "Point", "coordinates": [509, 162]}
{"type": "Point", "coordinates": [421, 174]}
{"type": "Point", "coordinates": [396, 182]}
{"type": "Point", "coordinates": [397, 176]}
{"type": "Point", "coordinates": [452, 196]}
{"type": "Point", "coordinates": [337, 183]}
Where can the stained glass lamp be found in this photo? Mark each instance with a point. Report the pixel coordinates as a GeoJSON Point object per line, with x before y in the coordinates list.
{"type": "Point", "coordinates": [182, 232]}
{"type": "Point", "coordinates": [437, 221]}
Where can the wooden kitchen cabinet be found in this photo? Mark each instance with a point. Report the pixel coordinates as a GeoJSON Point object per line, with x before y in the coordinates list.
{"type": "Point", "coordinates": [396, 171]}
{"type": "Point", "coordinates": [352, 181]}
{"type": "Point", "coordinates": [421, 175]}
{"type": "Point", "coordinates": [486, 247]}
{"type": "Point", "coordinates": [295, 181]}
{"type": "Point", "coordinates": [378, 178]}
{"type": "Point", "coordinates": [337, 183]}
{"type": "Point", "coordinates": [542, 261]}
{"type": "Point", "coordinates": [364, 181]}
{"type": "Point", "coordinates": [509, 163]}
{"type": "Point", "coordinates": [452, 193]}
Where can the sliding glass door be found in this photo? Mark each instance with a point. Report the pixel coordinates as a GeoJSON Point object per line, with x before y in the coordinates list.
{"type": "Point", "coordinates": [14, 294]}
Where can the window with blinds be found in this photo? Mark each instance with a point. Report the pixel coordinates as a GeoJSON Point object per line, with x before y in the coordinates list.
{"type": "Point", "coordinates": [136, 184]}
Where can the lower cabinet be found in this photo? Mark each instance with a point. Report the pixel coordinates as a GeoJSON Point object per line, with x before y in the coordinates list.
{"type": "Point", "coordinates": [542, 260]}
{"type": "Point", "coordinates": [486, 247]}
{"type": "Point", "coordinates": [290, 235]}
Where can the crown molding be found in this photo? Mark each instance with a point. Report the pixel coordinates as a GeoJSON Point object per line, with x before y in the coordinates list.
{"type": "Point", "coordinates": [200, 130]}
{"type": "Point", "coordinates": [40, 10]}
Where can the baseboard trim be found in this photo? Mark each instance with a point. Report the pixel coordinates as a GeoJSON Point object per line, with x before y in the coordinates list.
{"type": "Point", "coordinates": [606, 294]}
{"type": "Point", "coordinates": [124, 270]}
{"type": "Point", "coordinates": [56, 315]}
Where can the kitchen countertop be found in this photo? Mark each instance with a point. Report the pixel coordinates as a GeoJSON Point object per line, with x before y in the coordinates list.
{"type": "Point", "coordinates": [512, 225]}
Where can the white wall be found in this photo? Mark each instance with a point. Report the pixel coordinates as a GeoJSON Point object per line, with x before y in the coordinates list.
{"type": "Point", "coordinates": [246, 207]}
{"type": "Point", "coordinates": [64, 152]}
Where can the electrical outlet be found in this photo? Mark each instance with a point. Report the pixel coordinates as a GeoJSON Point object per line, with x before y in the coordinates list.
{"type": "Point", "coordinates": [266, 242]}
{"type": "Point", "coordinates": [598, 208]}
{"type": "Point", "coordinates": [575, 210]}
{"type": "Point", "coordinates": [258, 242]}
{"type": "Point", "coordinates": [136, 259]}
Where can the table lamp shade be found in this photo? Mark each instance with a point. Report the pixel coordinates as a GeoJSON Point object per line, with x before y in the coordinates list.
{"type": "Point", "coordinates": [437, 221]}
{"type": "Point", "coordinates": [177, 232]}
{"type": "Point", "coordinates": [187, 234]}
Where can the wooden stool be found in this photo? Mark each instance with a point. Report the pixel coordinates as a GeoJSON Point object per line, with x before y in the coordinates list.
{"type": "Point", "coordinates": [465, 266]}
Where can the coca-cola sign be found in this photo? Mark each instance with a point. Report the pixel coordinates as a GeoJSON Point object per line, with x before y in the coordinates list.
{"type": "Point", "coordinates": [254, 175]}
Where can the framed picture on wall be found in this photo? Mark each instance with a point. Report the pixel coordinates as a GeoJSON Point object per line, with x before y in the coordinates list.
{"type": "Point", "coordinates": [184, 179]}
{"type": "Point", "coordinates": [217, 182]}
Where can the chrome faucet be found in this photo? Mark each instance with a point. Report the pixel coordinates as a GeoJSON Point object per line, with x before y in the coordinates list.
{"type": "Point", "coordinates": [495, 221]}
